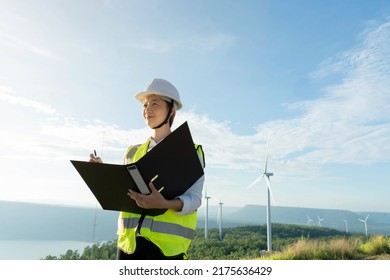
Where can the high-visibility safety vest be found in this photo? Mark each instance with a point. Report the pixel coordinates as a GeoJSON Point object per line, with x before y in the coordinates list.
{"type": "Point", "coordinates": [171, 232]}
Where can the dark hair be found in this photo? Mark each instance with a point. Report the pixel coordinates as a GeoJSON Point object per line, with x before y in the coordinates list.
{"type": "Point", "coordinates": [170, 110]}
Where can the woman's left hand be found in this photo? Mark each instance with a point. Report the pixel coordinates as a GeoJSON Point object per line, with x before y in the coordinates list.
{"type": "Point", "coordinates": [154, 200]}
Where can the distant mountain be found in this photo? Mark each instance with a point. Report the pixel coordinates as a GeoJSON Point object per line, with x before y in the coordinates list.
{"type": "Point", "coordinates": [29, 221]}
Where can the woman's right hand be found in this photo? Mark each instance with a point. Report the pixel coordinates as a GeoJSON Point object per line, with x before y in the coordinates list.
{"type": "Point", "coordinates": [92, 158]}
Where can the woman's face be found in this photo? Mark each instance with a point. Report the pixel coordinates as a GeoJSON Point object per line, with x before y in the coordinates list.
{"type": "Point", "coordinates": [155, 110]}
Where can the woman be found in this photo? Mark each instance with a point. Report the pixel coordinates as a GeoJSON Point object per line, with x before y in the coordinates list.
{"type": "Point", "coordinates": [166, 236]}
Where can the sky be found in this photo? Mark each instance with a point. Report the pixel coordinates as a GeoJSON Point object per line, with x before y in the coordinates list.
{"type": "Point", "coordinates": [311, 78]}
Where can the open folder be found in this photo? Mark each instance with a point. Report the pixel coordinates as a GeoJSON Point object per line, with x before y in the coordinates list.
{"type": "Point", "coordinates": [174, 160]}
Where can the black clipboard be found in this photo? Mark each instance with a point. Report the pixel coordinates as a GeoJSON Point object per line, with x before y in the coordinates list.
{"type": "Point", "coordinates": [174, 160]}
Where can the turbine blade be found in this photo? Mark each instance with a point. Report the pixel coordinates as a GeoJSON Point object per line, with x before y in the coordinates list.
{"type": "Point", "coordinates": [266, 156]}
{"type": "Point", "coordinates": [269, 187]}
{"type": "Point", "coordinates": [255, 181]}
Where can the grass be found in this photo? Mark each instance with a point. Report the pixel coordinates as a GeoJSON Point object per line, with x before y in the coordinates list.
{"type": "Point", "coordinates": [340, 248]}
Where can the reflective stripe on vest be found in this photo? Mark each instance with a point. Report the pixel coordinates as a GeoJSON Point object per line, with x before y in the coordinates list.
{"type": "Point", "coordinates": [171, 232]}
{"type": "Point", "coordinates": [160, 227]}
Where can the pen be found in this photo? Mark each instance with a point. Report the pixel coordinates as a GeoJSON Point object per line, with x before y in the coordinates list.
{"type": "Point", "coordinates": [94, 152]}
{"type": "Point", "coordinates": [154, 178]}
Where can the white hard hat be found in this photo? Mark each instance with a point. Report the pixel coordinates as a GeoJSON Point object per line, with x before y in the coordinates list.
{"type": "Point", "coordinates": [162, 88]}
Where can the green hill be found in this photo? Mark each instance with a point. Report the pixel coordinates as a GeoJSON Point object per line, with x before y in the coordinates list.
{"type": "Point", "coordinates": [248, 242]}
{"type": "Point", "coordinates": [238, 243]}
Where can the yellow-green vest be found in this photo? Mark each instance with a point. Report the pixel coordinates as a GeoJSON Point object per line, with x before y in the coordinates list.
{"type": "Point", "coordinates": [171, 232]}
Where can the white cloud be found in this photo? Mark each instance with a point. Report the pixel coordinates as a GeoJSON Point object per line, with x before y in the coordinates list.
{"type": "Point", "coordinates": [6, 95]}
{"type": "Point", "coordinates": [81, 138]}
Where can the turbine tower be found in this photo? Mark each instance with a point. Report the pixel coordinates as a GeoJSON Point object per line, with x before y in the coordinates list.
{"type": "Point", "coordinates": [308, 220]}
{"type": "Point", "coordinates": [365, 223]}
{"type": "Point", "coordinates": [96, 207]}
{"type": "Point", "coordinates": [346, 225]}
{"type": "Point", "coordinates": [266, 176]}
{"type": "Point", "coordinates": [206, 221]}
{"type": "Point", "coordinates": [319, 221]}
{"type": "Point", "coordinates": [93, 230]}
{"type": "Point", "coordinates": [219, 220]}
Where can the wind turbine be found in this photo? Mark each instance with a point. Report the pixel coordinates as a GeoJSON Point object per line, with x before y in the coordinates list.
{"type": "Point", "coordinates": [308, 220]}
{"type": "Point", "coordinates": [319, 221]}
{"type": "Point", "coordinates": [365, 222]}
{"type": "Point", "coordinates": [219, 220]}
{"type": "Point", "coordinates": [266, 176]}
{"type": "Point", "coordinates": [206, 221]}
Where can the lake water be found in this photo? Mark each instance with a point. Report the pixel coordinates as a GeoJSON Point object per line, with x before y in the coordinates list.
{"type": "Point", "coordinates": [37, 249]}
